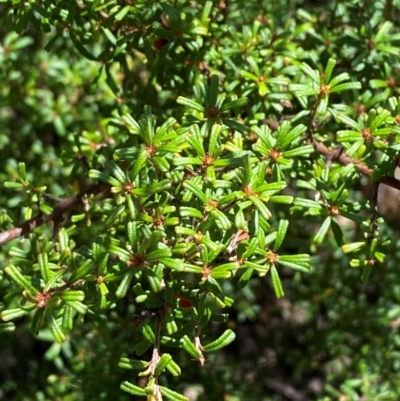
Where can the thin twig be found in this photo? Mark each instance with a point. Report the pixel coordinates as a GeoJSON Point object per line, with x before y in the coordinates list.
{"type": "Point", "coordinates": [59, 210]}
{"type": "Point", "coordinates": [310, 128]}
{"type": "Point", "coordinates": [340, 156]}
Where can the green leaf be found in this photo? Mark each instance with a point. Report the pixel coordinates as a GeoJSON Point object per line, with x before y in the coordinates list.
{"type": "Point", "coordinates": [16, 275]}
{"type": "Point", "coordinates": [174, 264]}
{"type": "Point", "coordinates": [162, 363]}
{"type": "Point", "coordinates": [329, 69]}
{"type": "Point", "coordinates": [285, 199]}
{"type": "Point", "coordinates": [173, 368]}
{"type": "Point", "coordinates": [225, 339]}
{"type": "Point", "coordinates": [45, 271]}
{"type": "Point", "coordinates": [191, 104]}
{"type": "Point", "coordinates": [186, 211]}
{"type": "Point", "coordinates": [281, 233]}
{"type": "Point", "coordinates": [148, 332]}
{"type": "Point", "coordinates": [79, 46]}
{"type": "Point", "coordinates": [71, 295]}
{"type": "Point", "coordinates": [285, 137]}
{"type": "Point", "coordinates": [313, 74]}
{"type": "Point", "coordinates": [154, 281]}
{"type": "Point", "coordinates": [189, 347]}
{"type": "Point", "coordinates": [116, 171]}
{"type": "Point", "coordinates": [366, 273]}
{"type": "Point", "coordinates": [346, 86]}
{"type": "Point", "coordinates": [195, 190]}
{"type": "Point", "coordinates": [353, 247]}
{"type": "Point", "coordinates": [235, 104]}
{"type": "Point", "coordinates": [124, 284]}
{"type": "Point", "coordinates": [337, 233]}
{"type": "Point", "coordinates": [11, 314]}
{"type": "Point", "coordinates": [82, 271]}
{"type": "Point", "coordinates": [276, 282]}
{"type": "Point", "coordinates": [319, 237]}
{"type": "Point", "coordinates": [67, 318]}
{"type": "Point", "coordinates": [37, 320]}
{"type": "Point", "coordinates": [296, 262]}
{"type": "Point", "coordinates": [22, 171]}
{"type": "Point", "coordinates": [272, 188]}
{"type": "Point", "coordinates": [132, 389]}
{"type": "Point", "coordinates": [110, 36]}
{"type": "Point", "coordinates": [172, 395]}
{"type": "Point", "coordinates": [114, 215]}
{"type": "Point", "coordinates": [212, 91]}
{"type": "Point", "coordinates": [13, 184]}
{"type": "Point", "coordinates": [187, 161]}
{"type": "Point", "coordinates": [339, 78]}
{"type": "Point", "coordinates": [213, 143]}
{"type": "Point", "coordinates": [98, 175]}
{"type": "Point", "coordinates": [235, 125]}
{"type": "Point", "coordinates": [139, 163]}
{"type": "Point", "coordinates": [170, 323]}
{"type": "Point", "coordinates": [120, 15]}
{"type": "Point", "coordinates": [126, 363]}
{"type": "Point", "coordinates": [302, 90]}
{"type": "Point", "coordinates": [222, 219]}
{"type": "Point", "coordinates": [7, 327]}
{"type": "Point", "coordinates": [348, 121]}
{"type": "Point", "coordinates": [54, 327]}
{"type": "Point", "coordinates": [261, 207]}
{"type": "Point", "coordinates": [302, 151]}
{"type": "Point", "coordinates": [307, 203]}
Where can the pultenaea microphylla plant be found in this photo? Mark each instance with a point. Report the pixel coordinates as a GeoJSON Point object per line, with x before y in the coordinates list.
{"type": "Point", "coordinates": [196, 139]}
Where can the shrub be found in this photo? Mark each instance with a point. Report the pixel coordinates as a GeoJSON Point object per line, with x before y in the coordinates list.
{"type": "Point", "coordinates": [171, 169]}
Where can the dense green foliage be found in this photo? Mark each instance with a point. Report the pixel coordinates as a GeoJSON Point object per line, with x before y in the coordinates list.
{"type": "Point", "coordinates": [190, 200]}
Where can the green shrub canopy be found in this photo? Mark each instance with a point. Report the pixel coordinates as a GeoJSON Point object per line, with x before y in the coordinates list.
{"type": "Point", "coordinates": [171, 169]}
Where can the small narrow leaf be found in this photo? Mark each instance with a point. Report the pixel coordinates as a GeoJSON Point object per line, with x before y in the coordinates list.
{"type": "Point", "coordinates": [126, 363]}
{"type": "Point", "coordinates": [162, 363]}
{"type": "Point", "coordinates": [132, 389]}
{"type": "Point", "coordinates": [16, 275]}
{"type": "Point", "coordinates": [67, 318]}
{"type": "Point", "coordinates": [124, 284]}
{"type": "Point", "coordinates": [11, 314]}
{"type": "Point", "coordinates": [280, 236]}
{"type": "Point", "coordinates": [189, 347]}
{"type": "Point", "coordinates": [172, 395]}
{"type": "Point", "coordinates": [54, 327]}
{"type": "Point", "coordinates": [328, 70]}
{"type": "Point", "coordinates": [354, 246]}
{"type": "Point", "coordinates": [78, 306]}
{"type": "Point", "coordinates": [173, 368]}
{"type": "Point", "coordinates": [7, 327]}
{"type": "Point", "coordinates": [276, 282]}
{"type": "Point", "coordinates": [319, 237]}
{"type": "Point", "coordinates": [70, 295]}
{"type": "Point", "coordinates": [191, 104]}
{"type": "Point", "coordinates": [212, 91]}
{"type": "Point", "coordinates": [37, 320]}
{"type": "Point", "coordinates": [225, 339]}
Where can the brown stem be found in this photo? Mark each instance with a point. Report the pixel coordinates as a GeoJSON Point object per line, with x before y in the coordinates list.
{"type": "Point", "coordinates": [310, 128]}
{"type": "Point", "coordinates": [59, 210]}
{"type": "Point", "coordinates": [340, 156]}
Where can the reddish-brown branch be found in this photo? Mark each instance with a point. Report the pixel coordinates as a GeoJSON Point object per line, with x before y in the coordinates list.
{"type": "Point", "coordinates": [72, 202]}
{"type": "Point", "coordinates": [59, 210]}
{"type": "Point", "coordinates": [341, 157]}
